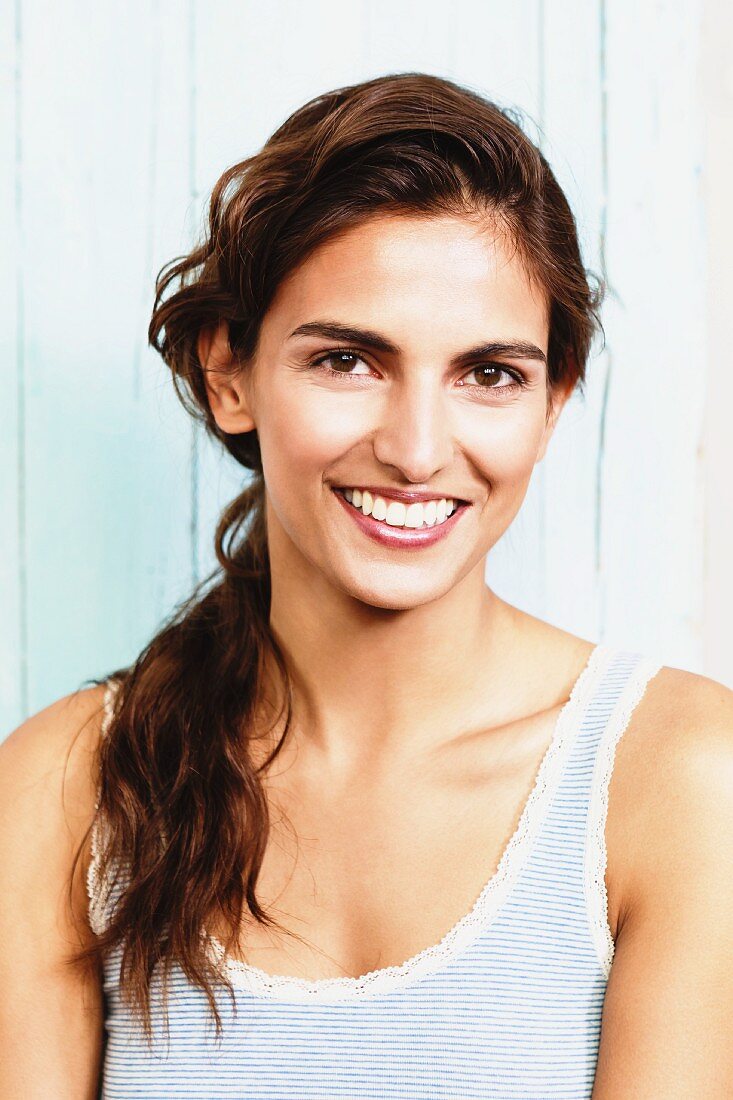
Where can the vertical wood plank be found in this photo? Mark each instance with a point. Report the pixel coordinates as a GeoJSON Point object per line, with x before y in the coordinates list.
{"type": "Point", "coordinates": [651, 540]}
{"type": "Point", "coordinates": [716, 89]}
{"type": "Point", "coordinates": [574, 143]}
{"type": "Point", "coordinates": [13, 641]}
{"type": "Point", "coordinates": [105, 145]}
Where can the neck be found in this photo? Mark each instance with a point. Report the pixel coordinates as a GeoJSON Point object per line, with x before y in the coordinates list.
{"type": "Point", "coordinates": [371, 685]}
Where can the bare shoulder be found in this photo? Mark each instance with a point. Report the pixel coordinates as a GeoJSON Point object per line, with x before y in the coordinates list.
{"type": "Point", "coordinates": [675, 757]}
{"type": "Point", "coordinates": [682, 753]}
{"type": "Point", "coordinates": [685, 701]}
{"type": "Point", "coordinates": [59, 722]}
{"type": "Point", "coordinates": [47, 773]}
{"type": "Point", "coordinates": [666, 1011]}
{"type": "Point", "coordinates": [62, 737]}
{"type": "Point", "coordinates": [51, 1014]}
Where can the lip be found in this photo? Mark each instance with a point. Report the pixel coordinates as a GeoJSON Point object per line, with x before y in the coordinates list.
{"type": "Point", "coordinates": [407, 537]}
{"type": "Point", "coordinates": [408, 496]}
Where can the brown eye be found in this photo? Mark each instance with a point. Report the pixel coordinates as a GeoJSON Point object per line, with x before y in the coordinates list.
{"type": "Point", "coordinates": [333, 361]}
{"type": "Point", "coordinates": [489, 374]}
{"type": "Point", "coordinates": [342, 359]}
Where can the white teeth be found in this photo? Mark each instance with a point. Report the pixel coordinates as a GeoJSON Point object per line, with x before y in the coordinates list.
{"type": "Point", "coordinates": [396, 514]}
{"type": "Point", "coordinates": [414, 515]}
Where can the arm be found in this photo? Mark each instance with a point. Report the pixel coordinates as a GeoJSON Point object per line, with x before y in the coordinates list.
{"type": "Point", "coordinates": [51, 1024]}
{"type": "Point", "coordinates": [667, 1027]}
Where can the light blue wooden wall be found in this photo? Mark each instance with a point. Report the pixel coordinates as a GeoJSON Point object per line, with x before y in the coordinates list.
{"type": "Point", "coordinates": [117, 119]}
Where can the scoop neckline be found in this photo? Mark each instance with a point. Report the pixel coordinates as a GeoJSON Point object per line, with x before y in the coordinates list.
{"type": "Point", "coordinates": [469, 927]}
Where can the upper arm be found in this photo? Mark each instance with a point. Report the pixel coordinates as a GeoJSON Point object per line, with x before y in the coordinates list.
{"type": "Point", "coordinates": [51, 1025]}
{"type": "Point", "coordinates": [666, 1026]}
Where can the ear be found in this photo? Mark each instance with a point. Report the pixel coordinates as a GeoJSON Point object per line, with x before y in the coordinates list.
{"type": "Point", "coordinates": [559, 397]}
{"type": "Point", "coordinates": [224, 381]}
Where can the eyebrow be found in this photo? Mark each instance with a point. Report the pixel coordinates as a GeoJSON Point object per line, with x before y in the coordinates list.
{"type": "Point", "coordinates": [519, 349]}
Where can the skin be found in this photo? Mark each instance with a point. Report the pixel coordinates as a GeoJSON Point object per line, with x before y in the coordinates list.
{"type": "Point", "coordinates": [421, 628]}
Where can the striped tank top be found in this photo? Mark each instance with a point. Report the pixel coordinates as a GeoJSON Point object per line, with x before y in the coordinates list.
{"type": "Point", "coordinates": [507, 1005]}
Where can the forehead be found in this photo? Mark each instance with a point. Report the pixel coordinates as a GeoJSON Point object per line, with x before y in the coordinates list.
{"type": "Point", "coordinates": [453, 277]}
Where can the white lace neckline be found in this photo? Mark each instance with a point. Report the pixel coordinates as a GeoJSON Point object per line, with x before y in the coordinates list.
{"type": "Point", "coordinates": [469, 927]}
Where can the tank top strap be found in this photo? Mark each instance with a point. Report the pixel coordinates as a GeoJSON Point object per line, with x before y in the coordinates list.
{"type": "Point", "coordinates": [110, 694]}
{"type": "Point", "coordinates": [102, 891]}
{"type": "Point", "coordinates": [572, 836]}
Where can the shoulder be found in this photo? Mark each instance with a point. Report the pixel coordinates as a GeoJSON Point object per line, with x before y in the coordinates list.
{"type": "Point", "coordinates": [678, 744]}
{"type": "Point", "coordinates": [674, 772]}
{"type": "Point", "coordinates": [684, 769]}
{"type": "Point", "coordinates": [671, 980]}
{"type": "Point", "coordinates": [66, 732]}
{"type": "Point", "coordinates": [681, 734]}
{"type": "Point", "coordinates": [682, 698]}
{"type": "Point", "coordinates": [51, 1013]}
{"type": "Point", "coordinates": [48, 779]}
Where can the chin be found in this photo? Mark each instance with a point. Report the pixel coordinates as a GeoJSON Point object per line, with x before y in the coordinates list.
{"type": "Point", "coordinates": [397, 597]}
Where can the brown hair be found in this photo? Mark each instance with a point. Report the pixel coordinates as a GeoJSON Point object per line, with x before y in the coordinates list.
{"type": "Point", "coordinates": [182, 802]}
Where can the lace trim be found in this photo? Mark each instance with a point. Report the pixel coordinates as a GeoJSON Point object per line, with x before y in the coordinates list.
{"type": "Point", "coordinates": [98, 891]}
{"type": "Point", "coordinates": [596, 854]}
{"type": "Point", "coordinates": [469, 927]}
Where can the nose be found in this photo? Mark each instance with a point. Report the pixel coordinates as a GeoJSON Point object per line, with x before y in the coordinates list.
{"type": "Point", "coordinates": [414, 435]}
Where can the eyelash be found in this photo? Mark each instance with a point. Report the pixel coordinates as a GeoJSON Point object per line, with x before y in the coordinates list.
{"type": "Point", "coordinates": [319, 363]}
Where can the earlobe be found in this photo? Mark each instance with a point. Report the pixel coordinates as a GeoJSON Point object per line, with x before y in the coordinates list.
{"type": "Point", "coordinates": [223, 381]}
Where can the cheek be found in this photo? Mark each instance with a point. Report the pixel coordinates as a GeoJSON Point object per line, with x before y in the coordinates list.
{"type": "Point", "coordinates": [301, 435]}
{"type": "Point", "coordinates": [503, 445]}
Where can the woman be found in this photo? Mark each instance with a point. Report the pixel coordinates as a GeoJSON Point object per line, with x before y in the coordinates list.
{"type": "Point", "coordinates": [347, 783]}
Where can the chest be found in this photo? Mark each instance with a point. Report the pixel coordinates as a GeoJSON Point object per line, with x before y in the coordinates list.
{"type": "Point", "coordinates": [369, 877]}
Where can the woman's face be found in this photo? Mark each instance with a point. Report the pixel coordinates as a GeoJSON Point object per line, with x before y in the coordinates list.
{"type": "Point", "coordinates": [403, 402]}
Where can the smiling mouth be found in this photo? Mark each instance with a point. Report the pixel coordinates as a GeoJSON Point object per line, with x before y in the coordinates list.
{"type": "Point", "coordinates": [415, 516]}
